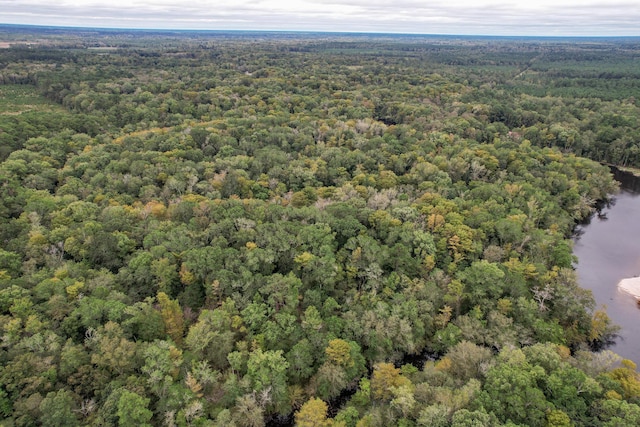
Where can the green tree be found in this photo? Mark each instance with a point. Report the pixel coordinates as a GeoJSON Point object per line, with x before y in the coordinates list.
{"type": "Point", "coordinates": [162, 366]}
{"type": "Point", "coordinates": [266, 371]}
{"type": "Point", "coordinates": [113, 351]}
{"type": "Point", "coordinates": [511, 390]}
{"type": "Point", "coordinates": [133, 411]}
{"type": "Point", "coordinates": [301, 361]}
{"type": "Point", "coordinates": [213, 336]}
{"type": "Point", "coordinates": [58, 409]}
{"type": "Point", "coordinates": [467, 418]}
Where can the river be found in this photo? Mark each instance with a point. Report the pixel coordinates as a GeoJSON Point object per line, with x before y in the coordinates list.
{"type": "Point", "coordinates": [608, 249]}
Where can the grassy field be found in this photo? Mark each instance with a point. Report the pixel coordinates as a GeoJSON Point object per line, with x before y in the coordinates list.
{"type": "Point", "coordinates": [17, 99]}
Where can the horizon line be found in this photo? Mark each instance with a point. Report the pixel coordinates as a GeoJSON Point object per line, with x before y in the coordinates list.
{"type": "Point", "coordinates": [290, 31]}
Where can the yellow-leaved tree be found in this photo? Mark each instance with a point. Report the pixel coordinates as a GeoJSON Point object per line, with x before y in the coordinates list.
{"type": "Point", "coordinates": [172, 316]}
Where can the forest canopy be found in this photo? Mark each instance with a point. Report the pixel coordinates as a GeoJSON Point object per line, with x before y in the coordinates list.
{"type": "Point", "coordinates": [218, 229]}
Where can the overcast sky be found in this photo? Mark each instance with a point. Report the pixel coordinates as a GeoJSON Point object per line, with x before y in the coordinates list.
{"type": "Point", "coordinates": [471, 17]}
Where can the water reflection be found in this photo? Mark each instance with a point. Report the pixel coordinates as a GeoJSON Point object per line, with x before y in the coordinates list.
{"type": "Point", "coordinates": [627, 181]}
{"type": "Point", "coordinates": [608, 249]}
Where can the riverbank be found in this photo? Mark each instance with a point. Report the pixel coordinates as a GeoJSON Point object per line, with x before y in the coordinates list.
{"type": "Point", "coordinates": [628, 169]}
{"type": "Point", "coordinates": [608, 251]}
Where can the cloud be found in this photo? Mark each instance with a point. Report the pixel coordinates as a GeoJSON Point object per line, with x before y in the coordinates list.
{"type": "Point", "coordinates": [499, 17]}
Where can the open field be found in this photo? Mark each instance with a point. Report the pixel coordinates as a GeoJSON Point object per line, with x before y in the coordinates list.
{"type": "Point", "coordinates": [17, 99]}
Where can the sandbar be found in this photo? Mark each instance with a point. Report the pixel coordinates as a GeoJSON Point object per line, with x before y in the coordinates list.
{"type": "Point", "coordinates": [630, 286]}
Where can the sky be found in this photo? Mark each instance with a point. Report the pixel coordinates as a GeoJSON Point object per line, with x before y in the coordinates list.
{"type": "Point", "coordinates": [463, 17]}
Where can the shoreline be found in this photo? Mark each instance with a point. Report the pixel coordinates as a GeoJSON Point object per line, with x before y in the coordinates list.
{"type": "Point", "coordinates": [633, 171]}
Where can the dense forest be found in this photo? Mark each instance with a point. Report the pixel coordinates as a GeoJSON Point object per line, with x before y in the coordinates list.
{"type": "Point", "coordinates": [237, 229]}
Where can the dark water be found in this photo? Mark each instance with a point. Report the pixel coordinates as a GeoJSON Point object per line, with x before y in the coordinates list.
{"type": "Point", "coordinates": [608, 250]}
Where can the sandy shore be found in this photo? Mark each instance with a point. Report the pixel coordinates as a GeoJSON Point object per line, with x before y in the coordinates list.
{"type": "Point", "coordinates": [631, 286]}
